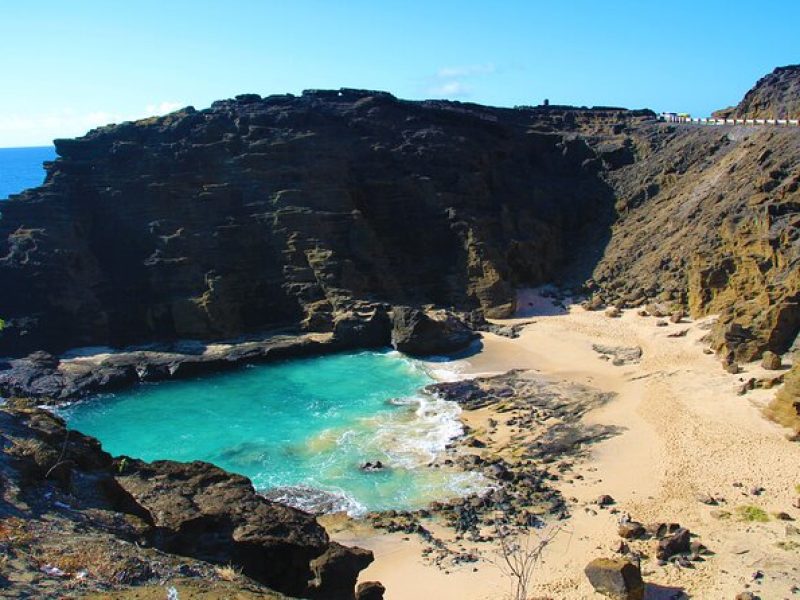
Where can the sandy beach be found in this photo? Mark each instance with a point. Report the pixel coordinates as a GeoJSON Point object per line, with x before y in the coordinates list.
{"type": "Point", "coordinates": [682, 433]}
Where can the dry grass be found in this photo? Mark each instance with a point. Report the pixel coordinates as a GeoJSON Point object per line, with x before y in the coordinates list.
{"type": "Point", "coordinates": [229, 573]}
{"type": "Point", "coordinates": [16, 533]}
{"type": "Point", "coordinates": [95, 559]}
{"type": "Point", "coordinates": [23, 447]}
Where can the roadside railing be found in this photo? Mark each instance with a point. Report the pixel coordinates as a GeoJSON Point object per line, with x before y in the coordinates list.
{"type": "Point", "coordinates": [713, 121]}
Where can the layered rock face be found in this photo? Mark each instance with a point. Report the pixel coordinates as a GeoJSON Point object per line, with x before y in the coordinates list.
{"type": "Point", "coordinates": [774, 96]}
{"type": "Point", "coordinates": [710, 219]}
{"type": "Point", "coordinates": [283, 211]}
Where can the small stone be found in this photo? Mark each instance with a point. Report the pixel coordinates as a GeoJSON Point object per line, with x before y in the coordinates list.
{"type": "Point", "coordinates": [613, 312]}
{"type": "Point", "coordinates": [707, 499]}
{"type": "Point", "coordinates": [370, 590]}
{"type": "Point", "coordinates": [783, 516]}
{"type": "Point", "coordinates": [770, 361]}
{"type": "Point", "coordinates": [732, 368]}
{"type": "Point", "coordinates": [677, 543]}
{"type": "Point", "coordinates": [604, 500]}
{"type": "Point", "coordinates": [662, 530]}
{"type": "Point", "coordinates": [616, 578]}
{"type": "Point", "coordinates": [746, 596]}
{"type": "Point", "coordinates": [677, 316]}
{"type": "Point", "coordinates": [697, 548]}
{"type": "Point", "coordinates": [622, 548]}
{"type": "Point", "coordinates": [631, 530]}
{"type": "Point", "coordinates": [661, 323]}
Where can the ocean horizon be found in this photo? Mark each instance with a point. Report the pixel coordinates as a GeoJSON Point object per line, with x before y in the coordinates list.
{"type": "Point", "coordinates": [22, 168]}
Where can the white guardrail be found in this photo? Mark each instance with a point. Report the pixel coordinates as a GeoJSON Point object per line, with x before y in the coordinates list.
{"type": "Point", "coordinates": [711, 121]}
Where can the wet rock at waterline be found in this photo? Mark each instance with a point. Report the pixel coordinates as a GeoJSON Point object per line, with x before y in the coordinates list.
{"type": "Point", "coordinates": [425, 333]}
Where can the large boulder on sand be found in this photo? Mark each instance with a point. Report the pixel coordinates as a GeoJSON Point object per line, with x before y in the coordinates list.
{"type": "Point", "coordinates": [616, 578]}
{"type": "Point", "coordinates": [370, 590]}
{"type": "Point", "coordinates": [770, 361]}
{"type": "Point", "coordinates": [422, 333]}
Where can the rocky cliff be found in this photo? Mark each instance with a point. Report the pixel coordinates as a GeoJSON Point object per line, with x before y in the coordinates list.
{"type": "Point", "coordinates": [264, 213]}
{"type": "Point", "coordinates": [774, 96]}
{"type": "Point", "coordinates": [709, 219]}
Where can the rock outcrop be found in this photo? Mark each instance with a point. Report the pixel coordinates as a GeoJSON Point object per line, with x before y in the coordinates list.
{"type": "Point", "coordinates": [774, 96]}
{"type": "Point", "coordinates": [424, 333]}
{"type": "Point", "coordinates": [286, 211]}
{"type": "Point", "coordinates": [189, 510]}
{"type": "Point", "coordinates": [710, 219]}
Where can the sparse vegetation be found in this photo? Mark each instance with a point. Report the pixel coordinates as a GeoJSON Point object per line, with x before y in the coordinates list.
{"type": "Point", "coordinates": [229, 572]}
{"type": "Point", "coordinates": [751, 513]}
{"type": "Point", "coordinates": [520, 550]}
{"type": "Point", "coordinates": [789, 545]}
{"type": "Point", "coordinates": [15, 532]}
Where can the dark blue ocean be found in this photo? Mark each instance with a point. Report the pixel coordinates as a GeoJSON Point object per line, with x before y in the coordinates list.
{"type": "Point", "coordinates": [21, 168]}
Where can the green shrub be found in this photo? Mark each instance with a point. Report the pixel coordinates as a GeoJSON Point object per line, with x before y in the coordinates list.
{"type": "Point", "coordinates": [748, 512]}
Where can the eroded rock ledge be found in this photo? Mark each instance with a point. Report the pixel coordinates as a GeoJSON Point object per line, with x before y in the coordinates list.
{"type": "Point", "coordinates": [54, 379]}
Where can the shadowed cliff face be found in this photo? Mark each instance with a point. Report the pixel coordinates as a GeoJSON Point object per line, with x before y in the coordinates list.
{"type": "Point", "coordinates": [263, 213]}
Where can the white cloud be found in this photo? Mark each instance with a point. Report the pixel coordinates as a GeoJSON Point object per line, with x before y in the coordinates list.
{"type": "Point", "coordinates": [454, 82]}
{"type": "Point", "coordinates": [452, 89]}
{"type": "Point", "coordinates": [163, 108]}
{"type": "Point", "coordinates": [41, 129]}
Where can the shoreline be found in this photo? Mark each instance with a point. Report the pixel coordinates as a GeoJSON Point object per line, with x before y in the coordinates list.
{"type": "Point", "coordinates": [682, 432]}
{"type": "Point", "coordinates": [673, 428]}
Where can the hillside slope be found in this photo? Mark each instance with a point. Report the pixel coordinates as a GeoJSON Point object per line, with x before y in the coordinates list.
{"type": "Point", "coordinates": [774, 96]}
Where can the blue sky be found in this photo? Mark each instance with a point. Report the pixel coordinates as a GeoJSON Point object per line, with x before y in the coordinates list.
{"type": "Point", "coordinates": [69, 66]}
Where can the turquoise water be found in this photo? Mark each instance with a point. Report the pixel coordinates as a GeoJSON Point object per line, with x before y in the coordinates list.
{"type": "Point", "coordinates": [296, 427]}
{"type": "Point", "coordinates": [21, 168]}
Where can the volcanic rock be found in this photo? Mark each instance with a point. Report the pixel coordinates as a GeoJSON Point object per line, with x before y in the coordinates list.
{"type": "Point", "coordinates": [194, 510]}
{"type": "Point", "coordinates": [423, 333]}
{"type": "Point", "coordinates": [774, 96]}
{"type": "Point", "coordinates": [770, 361]}
{"type": "Point", "coordinates": [616, 578]}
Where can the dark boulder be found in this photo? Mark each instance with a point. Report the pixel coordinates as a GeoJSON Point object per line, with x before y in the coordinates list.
{"type": "Point", "coordinates": [676, 543]}
{"type": "Point", "coordinates": [370, 590]}
{"type": "Point", "coordinates": [616, 578]}
{"type": "Point", "coordinates": [200, 510]}
{"type": "Point", "coordinates": [423, 333]}
{"type": "Point", "coordinates": [365, 328]}
{"type": "Point", "coordinates": [336, 571]}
